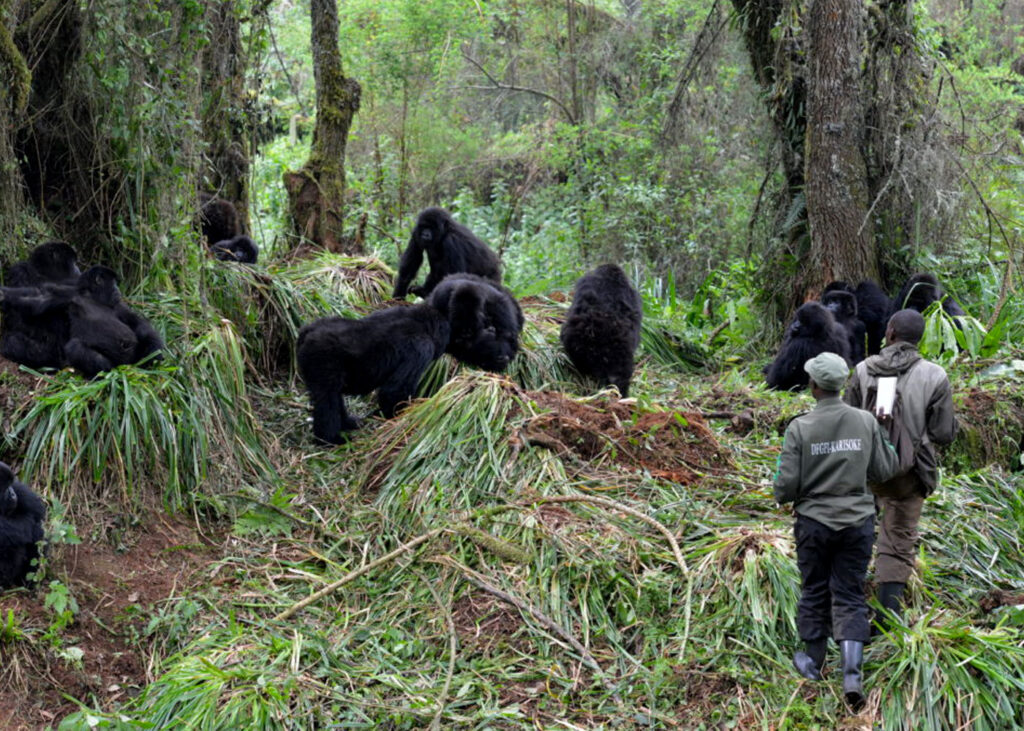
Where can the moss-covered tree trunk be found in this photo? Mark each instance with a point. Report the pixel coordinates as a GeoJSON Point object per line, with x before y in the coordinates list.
{"type": "Point", "coordinates": [316, 194]}
{"type": "Point", "coordinates": [841, 244]}
{"type": "Point", "coordinates": [16, 79]}
{"type": "Point", "coordinates": [226, 165]}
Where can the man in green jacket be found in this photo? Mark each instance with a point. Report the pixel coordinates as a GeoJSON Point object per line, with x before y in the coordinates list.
{"type": "Point", "coordinates": [828, 457]}
{"type": "Point", "coordinates": [927, 412]}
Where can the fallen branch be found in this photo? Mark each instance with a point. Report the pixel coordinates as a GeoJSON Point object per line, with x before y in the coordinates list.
{"type": "Point", "coordinates": [480, 581]}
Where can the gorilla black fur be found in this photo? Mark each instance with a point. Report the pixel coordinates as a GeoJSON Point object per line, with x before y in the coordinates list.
{"type": "Point", "coordinates": [217, 218]}
{"type": "Point", "coordinates": [920, 290]}
{"type": "Point", "coordinates": [34, 331]}
{"type": "Point", "coordinates": [874, 308]}
{"type": "Point", "coordinates": [485, 320]}
{"type": "Point", "coordinates": [843, 305]}
{"type": "Point", "coordinates": [241, 249]}
{"type": "Point", "coordinates": [602, 329]}
{"type": "Point", "coordinates": [21, 529]}
{"type": "Point", "coordinates": [450, 248]}
{"type": "Point", "coordinates": [387, 350]}
{"type": "Point", "coordinates": [812, 331]}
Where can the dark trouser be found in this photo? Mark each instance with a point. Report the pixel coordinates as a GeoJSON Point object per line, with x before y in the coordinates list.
{"type": "Point", "coordinates": [833, 565]}
{"type": "Point", "coordinates": [897, 538]}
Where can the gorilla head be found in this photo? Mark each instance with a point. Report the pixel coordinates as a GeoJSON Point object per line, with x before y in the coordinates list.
{"type": "Point", "coordinates": [920, 290]}
{"type": "Point", "coordinates": [55, 261]}
{"type": "Point", "coordinates": [485, 320]}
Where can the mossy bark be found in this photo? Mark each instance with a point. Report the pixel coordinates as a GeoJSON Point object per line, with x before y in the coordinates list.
{"type": "Point", "coordinates": [316, 194]}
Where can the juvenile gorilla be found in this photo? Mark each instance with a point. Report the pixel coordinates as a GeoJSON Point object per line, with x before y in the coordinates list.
{"type": "Point", "coordinates": [920, 290]}
{"type": "Point", "coordinates": [387, 350]}
{"type": "Point", "coordinates": [217, 218]}
{"type": "Point", "coordinates": [21, 529]}
{"type": "Point", "coordinates": [240, 248]}
{"type": "Point", "coordinates": [104, 332]}
{"type": "Point", "coordinates": [602, 329]}
{"type": "Point", "coordinates": [485, 320]}
{"type": "Point", "coordinates": [874, 308]}
{"type": "Point", "coordinates": [450, 248]}
{"type": "Point", "coordinates": [34, 331]}
{"type": "Point", "coordinates": [843, 306]}
{"type": "Point", "coordinates": [812, 331]}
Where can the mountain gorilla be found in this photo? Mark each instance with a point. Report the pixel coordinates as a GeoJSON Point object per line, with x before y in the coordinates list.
{"type": "Point", "coordinates": [874, 308]}
{"type": "Point", "coordinates": [239, 248]}
{"type": "Point", "coordinates": [387, 350]}
{"type": "Point", "coordinates": [217, 218]}
{"type": "Point", "coordinates": [843, 306]}
{"type": "Point", "coordinates": [920, 290]}
{"type": "Point", "coordinates": [812, 331]}
{"type": "Point", "coordinates": [602, 329]}
{"type": "Point", "coordinates": [34, 329]}
{"type": "Point", "coordinates": [485, 320]}
{"type": "Point", "coordinates": [450, 248]}
{"type": "Point", "coordinates": [21, 529]}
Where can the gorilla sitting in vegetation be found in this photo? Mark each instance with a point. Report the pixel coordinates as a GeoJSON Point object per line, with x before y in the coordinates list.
{"type": "Point", "coordinates": [386, 351]}
{"type": "Point", "coordinates": [240, 248]}
{"type": "Point", "coordinates": [843, 306]}
{"type": "Point", "coordinates": [34, 327]}
{"type": "Point", "coordinates": [21, 529]}
{"type": "Point", "coordinates": [217, 219]}
{"type": "Point", "coordinates": [485, 320]}
{"type": "Point", "coordinates": [602, 330]}
{"type": "Point", "coordinates": [450, 248]}
{"type": "Point", "coordinates": [813, 331]}
{"type": "Point", "coordinates": [920, 290]}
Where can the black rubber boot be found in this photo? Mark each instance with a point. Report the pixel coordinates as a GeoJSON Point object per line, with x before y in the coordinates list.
{"type": "Point", "coordinates": [851, 653]}
{"type": "Point", "coordinates": [810, 660]}
{"type": "Point", "coordinates": [890, 596]}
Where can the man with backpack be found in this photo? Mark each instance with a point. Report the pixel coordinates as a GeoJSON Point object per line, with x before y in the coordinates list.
{"type": "Point", "coordinates": [924, 410]}
{"type": "Point", "coordinates": [828, 457]}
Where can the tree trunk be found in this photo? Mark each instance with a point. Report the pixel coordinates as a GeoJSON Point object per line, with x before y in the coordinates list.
{"type": "Point", "coordinates": [841, 244]}
{"type": "Point", "coordinates": [17, 79]}
{"type": "Point", "coordinates": [226, 167]}
{"type": "Point", "coordinates": [316, 193]}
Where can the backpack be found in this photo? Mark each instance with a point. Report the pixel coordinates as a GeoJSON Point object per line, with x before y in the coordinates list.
{"type": "Point", "coordinates": [905, 482]}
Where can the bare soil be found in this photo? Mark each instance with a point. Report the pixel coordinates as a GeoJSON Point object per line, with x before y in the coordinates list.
{"type": "Point", "coordinates": [116, 594]}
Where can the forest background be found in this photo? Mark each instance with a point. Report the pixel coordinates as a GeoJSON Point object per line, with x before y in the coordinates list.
{"type": "Point", "coordinates": [562, 561]}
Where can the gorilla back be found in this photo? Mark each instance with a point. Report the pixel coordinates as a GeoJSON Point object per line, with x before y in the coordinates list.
{"type": "Point", "coordinates": [813, 331]}
{"type": "Point", "coordinates": [21, 529]}
{"type": "Point", "coordinates": [485, 320]}
{"type": "Point", "coordinates": [450, 248]}
{"type": "Point", "coordinates": [602, 329]}
{"type": "Point", "coordinates": [387, 350]}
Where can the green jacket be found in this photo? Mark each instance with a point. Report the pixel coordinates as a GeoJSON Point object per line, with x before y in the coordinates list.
{"type": "Point", "coordinates": [828, 456]}
{"type": "Point", "coordinates": [927, 402]}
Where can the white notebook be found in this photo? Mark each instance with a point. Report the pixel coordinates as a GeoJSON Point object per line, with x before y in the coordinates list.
{"type": "Point", "coordinates": [886, 396]}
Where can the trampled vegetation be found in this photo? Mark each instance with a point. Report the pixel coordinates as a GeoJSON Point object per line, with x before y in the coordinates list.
{"type": "Point", "coordinates": [518, 550]}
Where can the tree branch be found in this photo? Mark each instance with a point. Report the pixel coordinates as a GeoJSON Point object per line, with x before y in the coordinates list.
{"type": "Point", "coordinates": [498, 86]}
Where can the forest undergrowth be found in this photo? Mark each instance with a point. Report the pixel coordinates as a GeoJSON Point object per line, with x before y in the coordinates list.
{"type": "Point", "coordinates": [509, 552]}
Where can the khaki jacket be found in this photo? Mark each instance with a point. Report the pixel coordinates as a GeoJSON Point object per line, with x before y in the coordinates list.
{"type": "Point", "coordinates": [927, 402]}
{"type": "Point", "coordinates": [828, 456]}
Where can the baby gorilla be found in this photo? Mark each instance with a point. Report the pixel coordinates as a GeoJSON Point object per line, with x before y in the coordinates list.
{"type": "Point", "coordinates": [387, 350]}
{"type": "Point", "coordinates": [21, 529]}
{"type": "Point", "coordinates": [485, 320]}
{"type": "Point", "coordinates": [450, 248]}
{"type": "Point", "coordinates": [602, 330]}
{"type": "Point", "coordinates": [812, 331]}
{"type": "Point", "coordinates": [241, 249]}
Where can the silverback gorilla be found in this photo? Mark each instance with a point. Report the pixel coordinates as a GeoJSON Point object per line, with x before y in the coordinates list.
{"type": "Point", "coordinates": [21, 529]}
{"type": "Point", "coordinates": [485, 320]}
{"type": "Point", "coordinates": [602, 329]}
{"type": "Point", "coordinates": [386, 351]}
{"type": "Point", "coordinates": [812, 331]}
{"type": "Point", "coordinates": [450, 248]}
